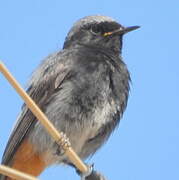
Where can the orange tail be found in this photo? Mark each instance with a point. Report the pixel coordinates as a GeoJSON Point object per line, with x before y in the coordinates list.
{"type": "Point", "coordinates": [27, 160]}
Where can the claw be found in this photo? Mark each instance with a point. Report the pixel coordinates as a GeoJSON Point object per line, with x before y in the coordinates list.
{"type": "Point", "coordinates": [88, 173]}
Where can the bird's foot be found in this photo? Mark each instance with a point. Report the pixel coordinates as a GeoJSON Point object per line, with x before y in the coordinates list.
{"type": "Point", "coordinates": [63, 144]}
{"type": "Point", "coordinates": [91, 174]}
{"type": "Point", "coordinates": [86, 174]}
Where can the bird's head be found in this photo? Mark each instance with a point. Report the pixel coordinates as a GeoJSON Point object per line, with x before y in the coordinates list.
{"type": "Point", "coordinates": [97, 31]}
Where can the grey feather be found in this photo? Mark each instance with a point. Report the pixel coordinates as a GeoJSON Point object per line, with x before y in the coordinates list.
{"type": "Point", "coordinates": [50, 74]}
{"type": "Point", "coordinates": [83, 90]}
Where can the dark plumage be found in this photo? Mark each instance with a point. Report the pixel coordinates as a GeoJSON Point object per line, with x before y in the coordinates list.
{"type": "Point", "coordinates": [82, 89]}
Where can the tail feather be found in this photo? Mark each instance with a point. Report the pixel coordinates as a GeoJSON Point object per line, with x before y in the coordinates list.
{"type": "Point", "coordinates": [27, 160]}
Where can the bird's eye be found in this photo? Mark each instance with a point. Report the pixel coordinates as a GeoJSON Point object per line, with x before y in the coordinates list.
{"type": "Point", "coordinates": [95, 30]}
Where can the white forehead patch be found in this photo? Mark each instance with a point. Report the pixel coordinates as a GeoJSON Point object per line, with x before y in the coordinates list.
{"type": "Point", "coordinates": [88, 20]}
{"type": "Point", "coordinates": [92, 19]}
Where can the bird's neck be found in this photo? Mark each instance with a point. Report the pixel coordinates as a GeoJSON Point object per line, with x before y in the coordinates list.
{"type": "Point", "coordinates": [97, 48]}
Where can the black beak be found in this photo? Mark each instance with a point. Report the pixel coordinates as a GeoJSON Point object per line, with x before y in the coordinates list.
{"type": "Point", "coordinates": [121, 31]}
{"type": "Point", "coordinates": [125, 30]}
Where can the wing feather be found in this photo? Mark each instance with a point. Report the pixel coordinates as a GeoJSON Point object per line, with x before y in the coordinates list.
{"type": "Point", "coordinates": [45, 80]}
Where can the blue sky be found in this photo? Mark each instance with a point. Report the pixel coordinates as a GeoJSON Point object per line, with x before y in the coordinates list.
{"type": "Point", "coordinates": [145, 145]}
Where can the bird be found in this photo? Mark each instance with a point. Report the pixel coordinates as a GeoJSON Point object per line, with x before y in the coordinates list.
{"type": "Point", "coordinates": [83, 89]}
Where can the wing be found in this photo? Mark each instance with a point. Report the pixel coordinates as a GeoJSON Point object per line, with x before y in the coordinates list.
{"type": "Point", "coordinates": [44, 82]}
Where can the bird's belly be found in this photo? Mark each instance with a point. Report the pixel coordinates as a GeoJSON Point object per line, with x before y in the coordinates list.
{"type": "Point", "coordinates": [79, 129]}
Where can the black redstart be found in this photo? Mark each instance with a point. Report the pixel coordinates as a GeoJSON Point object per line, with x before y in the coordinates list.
{"type": "Point", "coordinates": [83, 90]}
